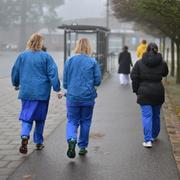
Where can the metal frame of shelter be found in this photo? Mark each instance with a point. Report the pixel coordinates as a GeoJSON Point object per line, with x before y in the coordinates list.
{"type": "Point", "coordinates": [101, 34]}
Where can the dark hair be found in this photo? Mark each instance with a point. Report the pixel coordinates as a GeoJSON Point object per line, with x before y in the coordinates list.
{"type": "Point", "coordinates": [44, 48]}
{"type": "Point", "coordinates": [144, 41]}
{"type": "Point", "coordinates": [152, 47]}
{"type": "Point", "coordinates": [125, 48]}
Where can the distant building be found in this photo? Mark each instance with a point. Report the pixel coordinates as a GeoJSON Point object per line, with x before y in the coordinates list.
{"type": "Point", "coordinates": [54, 40]}
{"type": "Point", "coordinates": [121, 33]}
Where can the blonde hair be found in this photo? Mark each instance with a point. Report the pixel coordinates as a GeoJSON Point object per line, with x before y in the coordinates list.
{"type": "Point", "coordinates": [83, 46]}
{"type": "Point", "coordinates": [35, 42]}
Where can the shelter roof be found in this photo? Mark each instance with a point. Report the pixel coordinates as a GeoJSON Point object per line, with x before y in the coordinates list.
{"type": "Point", "coordinates": [84, 28]}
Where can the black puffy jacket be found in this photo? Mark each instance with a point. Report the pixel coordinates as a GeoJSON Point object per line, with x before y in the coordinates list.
{"type": "Point", "coordinates": [146, 77]}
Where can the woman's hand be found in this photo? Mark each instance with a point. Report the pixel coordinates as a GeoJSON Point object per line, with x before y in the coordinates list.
{"type": "Point", "coordinates": [60, 94]}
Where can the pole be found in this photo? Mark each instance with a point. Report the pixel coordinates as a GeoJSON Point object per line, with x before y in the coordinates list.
{"type": "Point", "coordinates": [107, 13]}
{"type": "Point", "coordinates": [65, 45]}
{"type": "Point", "coordinates": [107, 35]}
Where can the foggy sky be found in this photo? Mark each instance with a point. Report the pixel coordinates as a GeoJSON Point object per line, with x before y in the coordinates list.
{"type": "Point", "coordinates": [73, 9]}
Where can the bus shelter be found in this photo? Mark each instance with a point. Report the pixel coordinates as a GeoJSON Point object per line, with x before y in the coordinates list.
{"type": "Point", "coordinates": [98, 36]}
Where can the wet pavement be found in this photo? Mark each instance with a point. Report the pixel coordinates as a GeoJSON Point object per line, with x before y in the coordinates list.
{"type": "Point", "coordinates": [10, 158]}
{"type": "Point", "coordinates": [115, 151]}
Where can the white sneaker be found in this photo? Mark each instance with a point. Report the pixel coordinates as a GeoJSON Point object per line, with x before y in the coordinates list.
{"type": "Point", "coordinates": [147, 144]}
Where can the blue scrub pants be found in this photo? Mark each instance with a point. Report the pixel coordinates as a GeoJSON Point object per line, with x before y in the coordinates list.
{"type": "Point", "coordinates": [79, 116]}
{"type": "Point", "coordinates": [150, 121]}
{"type": "Point", "coordinates": [38, 131]}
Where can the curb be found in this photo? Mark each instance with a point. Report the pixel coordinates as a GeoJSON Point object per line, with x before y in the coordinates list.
{"type": "Point", "coordinates": [173, 128]}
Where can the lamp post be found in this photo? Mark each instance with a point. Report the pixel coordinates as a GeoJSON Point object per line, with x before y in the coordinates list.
{"type": "Point", "coordinates": [107, 13]}
{"type": "Point", "coordinates": [107, 35]}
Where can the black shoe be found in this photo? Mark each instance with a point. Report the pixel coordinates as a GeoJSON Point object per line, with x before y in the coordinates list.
{"type": "Point", "coordinates": [83, 152]}
{"type": "Point", "coordinates": [39, 146]}
{"type": "Point", "coordinates": [23, 148]}
{"type": "Point", "coordinates": [71, 153]}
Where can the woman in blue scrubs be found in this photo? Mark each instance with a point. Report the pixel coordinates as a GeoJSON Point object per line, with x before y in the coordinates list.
{"type": "Point", "coordinates": [34, 72]}
{"type": "Point", "coordinates": [81, 75]}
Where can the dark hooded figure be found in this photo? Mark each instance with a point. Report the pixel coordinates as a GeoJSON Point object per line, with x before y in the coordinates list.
{"type": "Point", "coordinates": [146, 78]}
{"type": "Point", "coordinates": [124, 62]}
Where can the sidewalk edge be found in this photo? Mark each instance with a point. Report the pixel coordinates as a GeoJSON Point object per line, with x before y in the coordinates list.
{"type": "Point", "coordinates": [173, 128]}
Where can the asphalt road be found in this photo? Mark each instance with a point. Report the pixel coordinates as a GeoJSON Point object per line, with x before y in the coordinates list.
{"type": "Point", "coordinates": [115, 149]}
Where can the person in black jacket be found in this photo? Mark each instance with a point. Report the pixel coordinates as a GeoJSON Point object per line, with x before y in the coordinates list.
{"type": "Point", "coordinates": [146, 78]}
{"type": "Point", "coordinates": [124, 62]}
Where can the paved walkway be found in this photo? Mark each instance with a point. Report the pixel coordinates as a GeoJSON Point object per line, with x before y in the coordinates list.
{"type": "Point", "coordinates": [115, 150]}
{"type": "Point", "coordinates": [10, 127]}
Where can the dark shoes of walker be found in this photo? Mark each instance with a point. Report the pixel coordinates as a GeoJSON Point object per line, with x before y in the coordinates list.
{"type": "Point", "coordinates": [71, 153]}
{"type": "Point", "coordinates": [39, 146]}
{"type": "Point", "coordinates": [23, 148]}
{"type": "Point", "coordinates": [83, 152]}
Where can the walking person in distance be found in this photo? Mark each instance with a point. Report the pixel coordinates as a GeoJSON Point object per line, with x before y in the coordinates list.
{"type": "Point", "coordinates": [125, 63]}
{"type": "Point", "coordinates": [141, 49]}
